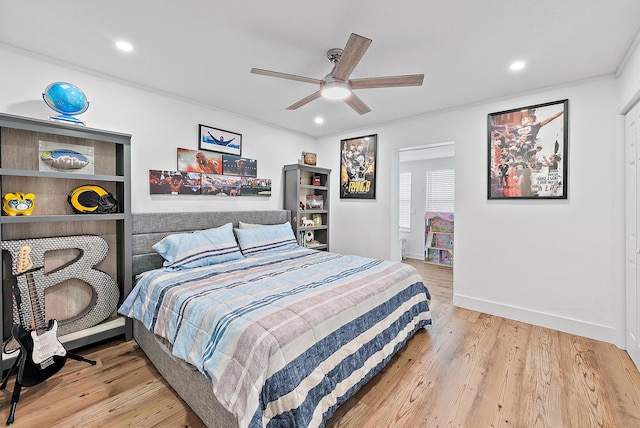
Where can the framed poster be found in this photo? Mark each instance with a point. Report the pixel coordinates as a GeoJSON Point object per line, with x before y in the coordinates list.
{"type": "Point", "coordinates": [358, 167]}
{"type": "Point", "coordinates": [219, 140]}
{"type": "Point", "coordinates": [528, 152]}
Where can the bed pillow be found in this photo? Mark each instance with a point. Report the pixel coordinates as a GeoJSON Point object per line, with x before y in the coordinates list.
{"type": "Point", "coordinates": [199, 248]}
{"type": "Point", "coordinates": [244, 225]}
{"type": "Point", "coordinates": [263, 239]}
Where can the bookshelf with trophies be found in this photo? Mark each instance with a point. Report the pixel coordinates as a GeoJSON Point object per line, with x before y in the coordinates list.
{"type": "Point", "coordinates": [306, 195]}
{"type": "Point", "coordinates": [67, 239]}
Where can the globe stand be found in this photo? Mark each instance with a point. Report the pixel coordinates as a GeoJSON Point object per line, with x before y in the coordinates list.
{"type": "Point", "coordinates": [67, 119]}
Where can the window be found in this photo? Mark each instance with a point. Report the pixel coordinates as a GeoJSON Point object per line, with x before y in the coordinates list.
{"type": "Point", "coordinates": [405, 202]}
{"type": "Point", "coordinates": [440, 190]}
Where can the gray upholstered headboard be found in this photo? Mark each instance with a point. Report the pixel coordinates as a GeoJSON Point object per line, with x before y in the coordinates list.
{"type": "Point", "coordinates": [151, 228]}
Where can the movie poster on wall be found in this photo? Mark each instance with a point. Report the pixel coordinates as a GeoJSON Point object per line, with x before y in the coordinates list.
{"type": "Point", "coordinates": [528, 152]}
{"type": "Point", "coordinates": [358, 167]}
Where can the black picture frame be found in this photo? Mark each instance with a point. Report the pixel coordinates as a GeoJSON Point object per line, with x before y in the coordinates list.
{"type": "Point", "coordinates": [358, 158]}
{"type": "Point", "coordinates": [528, 151]}
{"type": "Point", "coordinates": [219, 140]}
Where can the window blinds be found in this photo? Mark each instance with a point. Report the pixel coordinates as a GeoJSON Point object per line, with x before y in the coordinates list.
{"type": "Point", "coordinates": [405, 201]}
{"type": "Point", "coordinates": [440, 190]}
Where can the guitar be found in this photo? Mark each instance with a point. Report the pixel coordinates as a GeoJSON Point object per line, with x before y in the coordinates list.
{"type": "Point", "coordinates": [41, 353]}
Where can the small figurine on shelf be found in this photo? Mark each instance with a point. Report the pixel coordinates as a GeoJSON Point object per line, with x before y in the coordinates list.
{"type": "Point", "coordinates": [309, 236]}
{"type": "Point", "coordinates": [18, 203]}
{"type": "Point", "coordinates": [301, 205]}
{"type": "Point", "coordinates": [317, 220]}
{"type": "Point", "coordinates": [306, 222]}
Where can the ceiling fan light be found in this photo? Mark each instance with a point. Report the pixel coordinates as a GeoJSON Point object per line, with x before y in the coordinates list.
{"type": "Point", "coordinates": [335, 90]}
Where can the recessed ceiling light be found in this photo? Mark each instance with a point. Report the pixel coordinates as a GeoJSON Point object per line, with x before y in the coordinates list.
{"type": "Point", "coordinates": [518, 65]}
{"type": "Point", "coordinates": [318, 120]}
{"type": "Point", "coordinates": [124, 46]}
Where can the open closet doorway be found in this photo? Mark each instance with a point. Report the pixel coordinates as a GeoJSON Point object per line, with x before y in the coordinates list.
{"type": "Point", "coordinates": [425, 178]}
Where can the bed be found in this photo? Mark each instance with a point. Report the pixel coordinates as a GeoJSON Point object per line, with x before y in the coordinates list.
{"type": "Point", "coordinates": [268, 333]}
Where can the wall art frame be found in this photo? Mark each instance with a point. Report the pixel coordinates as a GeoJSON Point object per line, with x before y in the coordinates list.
{"type": "Point", "coordinates": [219, 140]}
{"type": "Point", "coordinates": [358, 158]}
{"type": "Point", "coordinates": [528, 152]}
{"type": "Point", "coordinates": [199, 161]}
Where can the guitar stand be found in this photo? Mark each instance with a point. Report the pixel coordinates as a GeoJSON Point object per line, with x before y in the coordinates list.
{"type": "Point", "coordinates": [15, 397]}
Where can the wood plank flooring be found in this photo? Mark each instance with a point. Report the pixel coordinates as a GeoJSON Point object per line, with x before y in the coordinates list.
{"type": "Point", "coordinates": [468, 370]}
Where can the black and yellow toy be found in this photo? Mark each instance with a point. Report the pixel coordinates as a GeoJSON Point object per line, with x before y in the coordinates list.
{"type": "Point", "coordinates": [92, 199]}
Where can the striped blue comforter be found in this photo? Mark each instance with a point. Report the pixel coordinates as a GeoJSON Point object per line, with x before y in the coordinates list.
{"type": "Point", "coordinates": [288, 336]}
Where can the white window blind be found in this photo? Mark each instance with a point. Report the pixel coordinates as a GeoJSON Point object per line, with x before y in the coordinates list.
{"type": "Point", "coordinates": [405, 201]}
{"type": "Point", "coordinates": [440, 190]}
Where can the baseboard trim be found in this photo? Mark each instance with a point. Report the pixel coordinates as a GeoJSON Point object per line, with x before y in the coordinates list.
{"type": "Point", "coordinates": [555, 322]}
{"type": "Point", "coordinates": [414, 256]}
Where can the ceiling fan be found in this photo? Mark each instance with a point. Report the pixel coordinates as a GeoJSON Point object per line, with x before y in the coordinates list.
{"type": "Point", "coordinates": [337, 85]}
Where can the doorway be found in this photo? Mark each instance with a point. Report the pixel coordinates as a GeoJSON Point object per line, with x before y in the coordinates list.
{"type": "Point", "coordinates": [410, 167]}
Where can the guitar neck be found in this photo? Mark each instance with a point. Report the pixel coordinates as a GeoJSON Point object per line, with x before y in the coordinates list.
{"type": "Point", "coordinates": [36, 308]}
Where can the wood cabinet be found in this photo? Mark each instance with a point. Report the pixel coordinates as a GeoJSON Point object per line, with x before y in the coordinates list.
{"type": "Point", "coordinates": [438, 232]}
{"type": "Point", "coordinates": [21, 145]}
{"type": "Point", "coordinates": [306, 195]}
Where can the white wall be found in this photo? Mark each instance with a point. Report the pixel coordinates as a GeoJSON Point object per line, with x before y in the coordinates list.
{"type": "Point", "coordinates": [158, 125]}
{"type": "Point", "coordinates": [552, 263]}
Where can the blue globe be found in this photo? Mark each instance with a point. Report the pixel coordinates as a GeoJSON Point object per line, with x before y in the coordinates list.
{"type": "Point", "coordinates": [66, 99]}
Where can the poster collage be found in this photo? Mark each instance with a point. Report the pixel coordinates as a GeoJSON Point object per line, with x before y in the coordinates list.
{"type": "Point", "coordinates": [201, 172]}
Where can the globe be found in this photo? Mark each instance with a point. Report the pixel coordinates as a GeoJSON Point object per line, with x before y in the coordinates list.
{"type": "Point", "coordinates": [66, 99]}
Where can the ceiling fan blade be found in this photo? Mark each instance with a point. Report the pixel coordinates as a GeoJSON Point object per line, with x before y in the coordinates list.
{"type": "Point", "coordinates": [351, 55]}
{"type": "Point", "coordinates": [285, 76]}
{"type": "Point", "coordinates": [357, 104]}
{"type": "Point", "coordinates": [388, 81]}
{"type": "Point", "coordinates": [304, 101]}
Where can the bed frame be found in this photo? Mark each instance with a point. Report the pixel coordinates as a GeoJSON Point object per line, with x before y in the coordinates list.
{"type": "Point", "coordinates": [194, 388]}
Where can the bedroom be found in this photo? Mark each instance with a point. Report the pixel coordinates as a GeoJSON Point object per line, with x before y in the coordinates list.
{"type": "Point", "coordinates": [582, 290]}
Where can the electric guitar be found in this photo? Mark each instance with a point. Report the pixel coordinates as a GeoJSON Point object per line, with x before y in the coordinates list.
{"type": "Point", "coordinates": [41, 353]}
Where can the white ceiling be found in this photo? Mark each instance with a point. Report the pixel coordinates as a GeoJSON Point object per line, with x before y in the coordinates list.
{"type": "Point", "coordinates": [202, 50]}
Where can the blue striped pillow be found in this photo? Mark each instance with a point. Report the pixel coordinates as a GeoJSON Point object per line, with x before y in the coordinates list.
{"type": "Point", "coordinates": [199, 248]}
{"type": "Point", "coordinates": [267, 238]}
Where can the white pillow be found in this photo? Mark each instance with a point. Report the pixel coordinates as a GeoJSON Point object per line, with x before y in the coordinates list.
{"type": "Point", "coordinates": [244, 225]}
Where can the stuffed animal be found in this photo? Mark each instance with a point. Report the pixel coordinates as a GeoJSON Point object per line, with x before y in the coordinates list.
{"type": "Point", "coordinates": [306, 223]}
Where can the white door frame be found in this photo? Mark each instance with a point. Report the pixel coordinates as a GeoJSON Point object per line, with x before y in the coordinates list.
{"type": "Point", "coordinates": [396, 249]}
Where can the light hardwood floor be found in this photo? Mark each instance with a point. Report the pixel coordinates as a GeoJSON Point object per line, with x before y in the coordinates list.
{"type": "Point", "coordinates": [468, 370]}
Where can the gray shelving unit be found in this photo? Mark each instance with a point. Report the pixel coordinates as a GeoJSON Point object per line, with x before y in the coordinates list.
{"type": "Point", "coordinates": [299, 188]}
{"type": "Point", "coordinates": [52, 217]}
